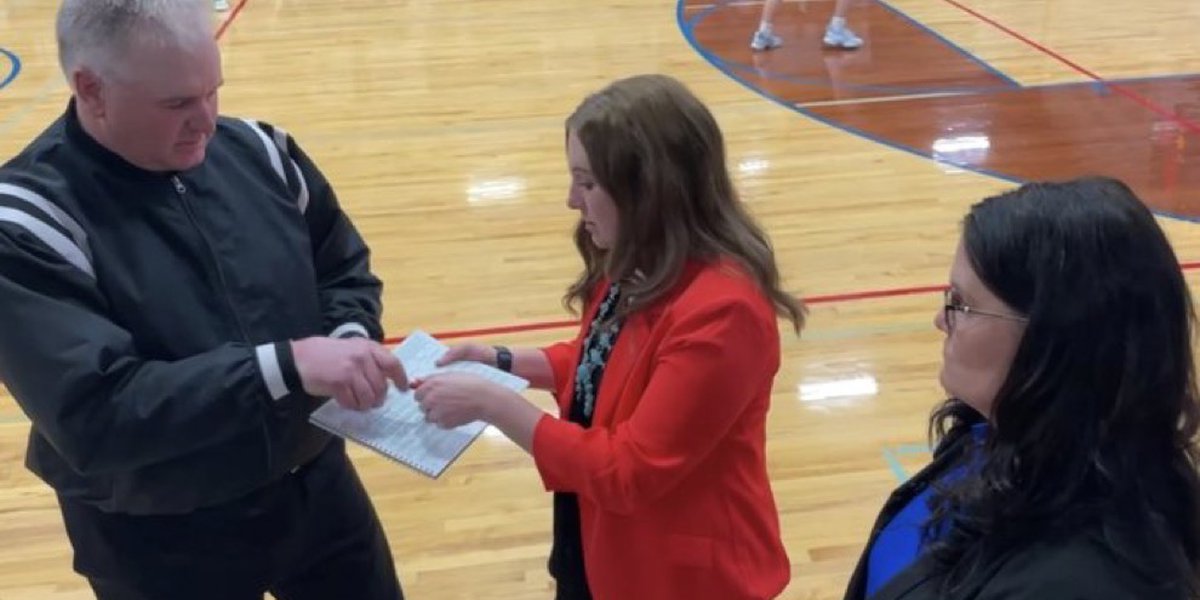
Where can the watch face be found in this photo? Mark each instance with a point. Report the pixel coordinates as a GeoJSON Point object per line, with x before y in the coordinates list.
{"type": "Point", "coordinates": [503, 359]}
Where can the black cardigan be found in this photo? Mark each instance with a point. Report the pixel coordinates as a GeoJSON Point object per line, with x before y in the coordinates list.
{"type": "Point", "coordinates": [1078, 567]}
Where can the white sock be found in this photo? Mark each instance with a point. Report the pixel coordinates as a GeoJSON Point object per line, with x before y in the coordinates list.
{"type": "Point", "coordinates": [837, 23]}
{"type": "Point", "coordinates": [764, 28]}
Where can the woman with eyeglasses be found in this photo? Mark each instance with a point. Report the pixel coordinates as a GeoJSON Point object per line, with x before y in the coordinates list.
{"type": "Point", "coordinates": [1065, 463]}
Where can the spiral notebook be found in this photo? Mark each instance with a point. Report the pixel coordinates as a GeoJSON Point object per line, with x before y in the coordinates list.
{"type": "Point", "coordinates": [397, 429]}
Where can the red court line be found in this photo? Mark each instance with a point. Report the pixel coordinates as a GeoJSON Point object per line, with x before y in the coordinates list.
{"type": "Point", "coordinates": [811, 300]}
{"type": "Point", "coordinates": [232, 15]}
{"type": "Point", "coordinates": [869, 294]}
{"type": "Point", "coordinates": [541, 325]}
{"type": "Point", "coordinates": [1120, 89]}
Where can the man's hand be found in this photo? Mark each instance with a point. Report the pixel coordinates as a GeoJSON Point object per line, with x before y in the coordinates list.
{"type": "Point", "coordinates": [354, 372]}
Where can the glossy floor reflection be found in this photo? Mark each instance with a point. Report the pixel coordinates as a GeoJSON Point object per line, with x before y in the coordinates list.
{"type": "Point", "coordinates": [913, 89]}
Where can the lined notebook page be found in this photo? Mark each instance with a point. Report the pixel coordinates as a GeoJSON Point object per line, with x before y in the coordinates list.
{"type": "Point", "coordinates": [397, 429]}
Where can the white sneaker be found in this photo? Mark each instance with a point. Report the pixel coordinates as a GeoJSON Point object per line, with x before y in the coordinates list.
{"type": "Point", "coordinates": [842, 37]}
{"type": "Point", "coordinates": [221, 5]}
{"type": "Point", "coordinates": [765, 41]}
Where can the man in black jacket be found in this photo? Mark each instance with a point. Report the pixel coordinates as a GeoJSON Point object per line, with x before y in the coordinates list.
{"type": "Point", "coordinates": [179, 291]}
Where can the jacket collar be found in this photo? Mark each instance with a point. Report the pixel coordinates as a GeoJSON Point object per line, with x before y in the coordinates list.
{"type": "Point", "coordinates": [97, 152]}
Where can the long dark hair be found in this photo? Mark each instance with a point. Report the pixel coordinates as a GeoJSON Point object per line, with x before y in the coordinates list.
{"type": "Point", "coordinates": [1095, 424]}
{"type": "Point", "coordinates": [658, 152]}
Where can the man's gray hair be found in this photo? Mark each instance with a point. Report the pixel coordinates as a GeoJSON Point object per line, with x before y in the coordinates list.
{"type": "Point", "coordinates": [97, 33]}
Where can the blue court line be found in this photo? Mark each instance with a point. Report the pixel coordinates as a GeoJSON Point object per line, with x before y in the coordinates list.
{"type": "Point", "coordinates": [892, 454]}
{"type": "Point", "coordinates": [1100, 87]}
{"type": "Point", "coordinates": [893, 463]}
{"type": "Point", "coordinates": [14, 67]}
{"type": "Point", "coordinates": [720, 65]}
{"type": "Point", "coordinates": [1174, 215]}
{"type": "Point", "coordinates": [1107, 83]}
{"type": "Point", "coordinates": [919, 25]}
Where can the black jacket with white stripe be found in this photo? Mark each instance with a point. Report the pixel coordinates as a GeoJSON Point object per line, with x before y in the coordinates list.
{"type": "Point", "coordinates": [145, 317]}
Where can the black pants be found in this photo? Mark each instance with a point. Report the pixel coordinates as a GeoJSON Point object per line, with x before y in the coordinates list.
{"type": "Point", "coordinates": [566, 555]}
{"type": "Point", "coordinates": [313, 535]}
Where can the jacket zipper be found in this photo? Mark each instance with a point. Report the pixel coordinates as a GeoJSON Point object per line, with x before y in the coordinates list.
{"type": "Point", "coordinates": [181, 191]}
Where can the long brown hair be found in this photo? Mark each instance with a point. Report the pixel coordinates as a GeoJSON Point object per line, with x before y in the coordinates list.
{"type": "Point", "coordinates": [658, 152]}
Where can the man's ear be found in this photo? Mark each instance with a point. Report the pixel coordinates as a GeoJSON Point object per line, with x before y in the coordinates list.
{"type": "Point", "coordinates": [89, 91]}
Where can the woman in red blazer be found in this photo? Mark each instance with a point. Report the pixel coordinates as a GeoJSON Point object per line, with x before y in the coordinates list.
{"type": "Point", "coordinates": [657, 461]}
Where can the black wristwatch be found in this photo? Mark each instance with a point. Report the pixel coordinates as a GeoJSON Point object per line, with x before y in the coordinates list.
{"type": "Point", "coordinates": [503, 359]}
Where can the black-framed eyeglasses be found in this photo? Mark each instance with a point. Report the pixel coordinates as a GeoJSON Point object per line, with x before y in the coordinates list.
{"type": "Point", "coordinates": [950, 306]}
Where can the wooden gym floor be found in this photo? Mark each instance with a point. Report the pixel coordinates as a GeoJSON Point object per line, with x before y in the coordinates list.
{"type": "Point", "coordinates": [440, 125]}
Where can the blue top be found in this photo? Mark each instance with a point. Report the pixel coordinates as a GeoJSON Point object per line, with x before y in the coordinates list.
{"type": "Point", "coordinates": [900, 544]}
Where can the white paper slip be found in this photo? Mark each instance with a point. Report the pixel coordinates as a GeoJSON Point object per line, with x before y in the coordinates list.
{"type": "Point", "coordinates": [398, 429]}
